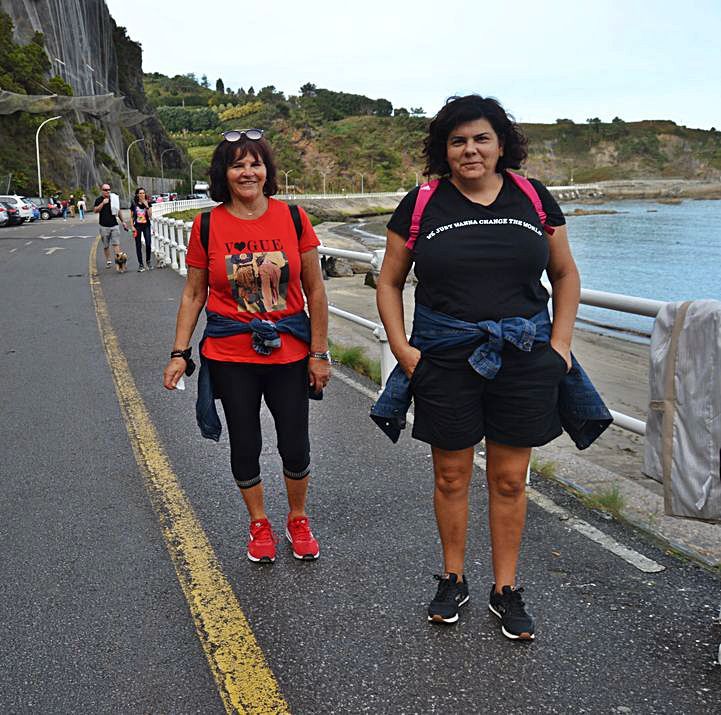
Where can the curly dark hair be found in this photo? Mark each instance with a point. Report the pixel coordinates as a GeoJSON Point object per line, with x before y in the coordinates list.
{"type": "Point", "coordinates": [227, 152]}
{"type": "Point", "coordinates": [459, 110]}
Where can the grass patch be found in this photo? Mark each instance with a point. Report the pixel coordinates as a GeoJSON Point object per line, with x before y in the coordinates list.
{"type": "Point", "coordinates": [188, 215]}
{"type": "Point", "coordinates": [354, 357]}
{"type": "Point", "coordinates": [545, 467]}
{"type": "Point", "coordinates": [610, 500]}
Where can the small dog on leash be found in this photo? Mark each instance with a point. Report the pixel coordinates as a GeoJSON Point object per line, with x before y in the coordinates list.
{"type": "Point", "coordinates": [121, 261]}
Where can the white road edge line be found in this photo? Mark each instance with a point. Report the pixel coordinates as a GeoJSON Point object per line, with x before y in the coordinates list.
{"type": "Point", "coordinates": [637, 560]}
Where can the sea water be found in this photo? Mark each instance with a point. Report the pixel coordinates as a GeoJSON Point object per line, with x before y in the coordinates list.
{"type": "Point", "coordinates": [667, 252]}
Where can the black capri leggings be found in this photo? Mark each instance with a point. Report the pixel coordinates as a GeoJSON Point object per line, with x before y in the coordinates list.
{"type": "Point", "coordinates": [142, 230]}
{"type": "Point", "coordinates": [240, 386]}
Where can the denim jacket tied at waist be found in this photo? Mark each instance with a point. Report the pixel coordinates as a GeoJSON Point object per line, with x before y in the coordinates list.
{"type": "Point", "coordinates": [583, 414]}
{"type": "Point", "coordinates": [266, 338]}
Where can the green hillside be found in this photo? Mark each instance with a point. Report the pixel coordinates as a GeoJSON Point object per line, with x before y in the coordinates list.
{"type": "Point", "coordinates": [342, 135]}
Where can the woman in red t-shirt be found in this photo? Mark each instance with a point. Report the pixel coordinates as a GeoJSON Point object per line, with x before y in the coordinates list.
{"type": "Point", "coordinates": [255, 268]}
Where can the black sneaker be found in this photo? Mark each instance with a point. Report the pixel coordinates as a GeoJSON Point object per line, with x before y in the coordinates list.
{"type": "Point", "coordinates": [450, 596]}
{"type": "Point", "coordinates": [509, 607]}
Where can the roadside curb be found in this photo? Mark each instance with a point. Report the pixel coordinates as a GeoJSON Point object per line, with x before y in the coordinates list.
{"type": "Point", "coordinates": [698, 541]}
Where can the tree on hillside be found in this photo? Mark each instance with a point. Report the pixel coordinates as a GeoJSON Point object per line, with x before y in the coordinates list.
{"type": "Point", "coordinates": [191, 76]}
{"type": "Point", "coordinates": [219, 86]}
{"type": "Point", "coordinates": [308, 90]}
{"type": "Point", "coordinates": [400, 112]}
{"type": "Point", "coordinates": [417, 111]}
{"type": "Point", "coordinates": [251, 91]}
{"type": "Point", "coordinates": [204, 82]}
{"type": "Point", "coordinates": [383, 108]}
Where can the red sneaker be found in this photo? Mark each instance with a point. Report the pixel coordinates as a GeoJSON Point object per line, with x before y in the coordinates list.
{"type": "Point", "coordinates": [301, 538]}
{"type": "Point", "coordinates": [261, 546]}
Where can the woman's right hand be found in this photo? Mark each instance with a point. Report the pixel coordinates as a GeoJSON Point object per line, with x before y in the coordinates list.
{"type": "Point", "coordinates": [174, 370]}
{"type": "Point", "coordinates": [408, 359]}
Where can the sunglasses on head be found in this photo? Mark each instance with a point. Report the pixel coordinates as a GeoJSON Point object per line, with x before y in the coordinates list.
{"type": "Point", "coordinates": [234, 135]}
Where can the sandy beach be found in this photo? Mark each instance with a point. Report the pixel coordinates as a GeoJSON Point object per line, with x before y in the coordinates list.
{"type": "Point", "coordinates": [618, 368]}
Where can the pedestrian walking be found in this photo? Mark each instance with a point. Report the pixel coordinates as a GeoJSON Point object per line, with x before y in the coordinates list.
{"type": "Point", "coordinates": [484, 358]}
{"type": "Point", "coordinates": [252, 258]}
{"type": "Point", "coordinates": [140, 215]}
{"type": "Point", "coordinates": [108, 207]}
{"type": "Point", "coordinates": [64, 206]}
{"type": "Point", "coordinates": [82, 207]}
{"type": "Point", "coordinates": [72, 202]}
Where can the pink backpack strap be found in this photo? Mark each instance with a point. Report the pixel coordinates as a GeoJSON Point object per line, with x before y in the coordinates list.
{"type": "Point", "coordinates": [530, 191]}
{"type": "Point", "coordinates": [425, 192]}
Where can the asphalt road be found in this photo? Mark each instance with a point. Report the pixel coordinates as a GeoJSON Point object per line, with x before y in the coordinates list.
{"type": "Point", "coordinates": [95, 621]}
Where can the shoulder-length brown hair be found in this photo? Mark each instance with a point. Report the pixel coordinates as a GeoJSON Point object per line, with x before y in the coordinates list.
{"type": "Point", "coordinates": [227, 152]}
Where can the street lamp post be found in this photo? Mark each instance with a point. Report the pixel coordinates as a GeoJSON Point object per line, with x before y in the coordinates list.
{"type": "Point", "coordinates": [162, 172]}
{"type": "Point", "coordinates": [192, 188]}
{"type": "Point", "coordinates": [324, 174]}
{"type": "Point", "coordinates": [127, 161]}
{"type": "Point", "coordinates": [286, 180]}
{"type": "Point", "coordinates": [362, 191]}
{"type": "Point", "coordinates": [37, 151]}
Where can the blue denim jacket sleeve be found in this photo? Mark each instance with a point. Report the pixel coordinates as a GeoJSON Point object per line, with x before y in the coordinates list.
{"type": "Point", "coordinates": [389, 412]}
{"type": "Point", "coordinates": [206, 414]}
{"type": "Point", "coordinates": [584, 416]}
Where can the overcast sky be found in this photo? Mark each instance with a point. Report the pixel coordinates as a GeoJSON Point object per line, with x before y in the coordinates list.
{"type": "Point", "coordinates": [637, 59]}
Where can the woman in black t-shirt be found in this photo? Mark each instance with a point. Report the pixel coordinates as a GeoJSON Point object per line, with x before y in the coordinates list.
{"type": "Point", "coordinates": [140, 215]}
{"type": "Point", "coordinates": [479, 256]}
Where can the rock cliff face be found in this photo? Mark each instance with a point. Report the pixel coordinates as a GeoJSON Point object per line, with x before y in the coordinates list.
{"type": "Point", "coordinates": [95, 57]}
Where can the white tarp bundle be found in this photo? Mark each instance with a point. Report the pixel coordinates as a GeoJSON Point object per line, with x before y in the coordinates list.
{"type": "Point", "coordinates": [683, 431]}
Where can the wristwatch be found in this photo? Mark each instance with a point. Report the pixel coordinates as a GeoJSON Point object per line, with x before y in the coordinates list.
{"type": "Point", "coordinates": [321, 356]}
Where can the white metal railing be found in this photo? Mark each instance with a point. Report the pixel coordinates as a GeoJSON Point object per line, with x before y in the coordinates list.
{"type": "Point", "coordinates": [170, 244]}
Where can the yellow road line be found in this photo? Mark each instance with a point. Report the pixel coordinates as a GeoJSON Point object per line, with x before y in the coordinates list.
{"type": "Point", "coordinates": [245, 681]}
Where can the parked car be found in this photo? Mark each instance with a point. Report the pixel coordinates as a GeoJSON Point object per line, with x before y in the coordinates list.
{"type": "Point", "coordinates": [156, 199]}
{"type": "Point", "coordinates": [48, 208]}
{"type": "Point", "coordinates": [23, 207]}
{"type": "Point", "coordinates": [4, 218]}
{"type": "Point", "coordinates": [14, 217]}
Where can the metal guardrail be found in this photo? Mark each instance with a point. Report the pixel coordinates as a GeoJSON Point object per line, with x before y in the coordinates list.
{"type": "Point", "coordinates": [170, 244]}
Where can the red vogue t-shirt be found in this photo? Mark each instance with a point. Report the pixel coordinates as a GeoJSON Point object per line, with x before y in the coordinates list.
{"type": "Point", "coordinates": [253, 272]}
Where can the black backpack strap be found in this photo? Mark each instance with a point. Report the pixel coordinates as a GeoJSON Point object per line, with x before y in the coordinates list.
{"type": "Point", "coordinates": [205, 230]}
{"type": "Point", "coordinates": [297, 222]}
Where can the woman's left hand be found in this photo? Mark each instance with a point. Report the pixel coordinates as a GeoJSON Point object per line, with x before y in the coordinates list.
{"type": "Point", "coordinates": [318, 373]}
{"type": "Point", "coordinates": [564, 351]}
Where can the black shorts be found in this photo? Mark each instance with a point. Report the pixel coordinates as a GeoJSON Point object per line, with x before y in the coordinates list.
{"type": "Point", "coordinates": [455, 407]}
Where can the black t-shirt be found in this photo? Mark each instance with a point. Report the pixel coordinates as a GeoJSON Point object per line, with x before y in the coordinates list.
{"type": "Point", "coordinates": [106, 215]}
{"type": "Point", "coordinates": [477, 262]}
